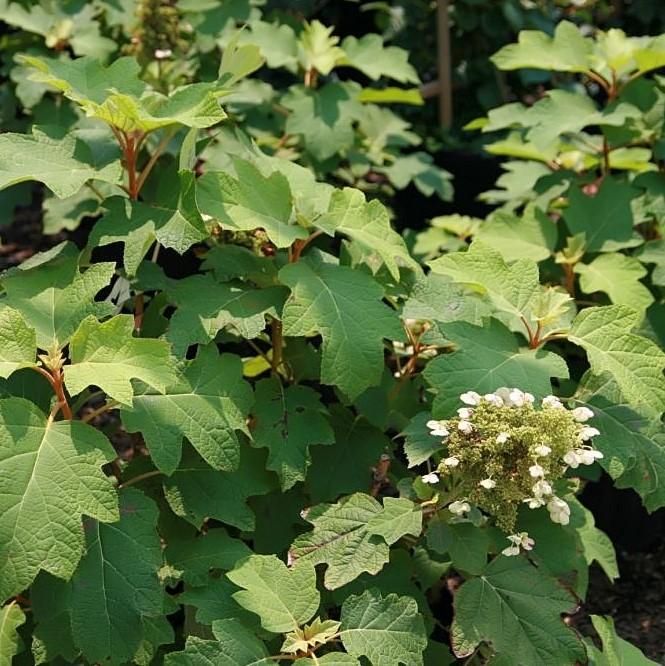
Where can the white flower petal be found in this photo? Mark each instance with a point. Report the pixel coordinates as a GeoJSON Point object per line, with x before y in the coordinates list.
{"type": "Point", "coordinates": [432, 478]}
{"type": "Point", "coordinates": [582, 414]}
{"type": "Point", "coordinates": [470, 398]}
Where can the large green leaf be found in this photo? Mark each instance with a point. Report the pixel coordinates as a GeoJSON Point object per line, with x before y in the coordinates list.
{"type": "Point", "coordinates": [11, 618]}
{"type": "Point", "coordinates": [284, 598]}
{"type": "Point", "coordinates": [54, 297]}
{"type": "Point", "coordinates": [487, 358]}
{"type": "Point", "coordinates": [51, 474]}
{"type": "Point", "coordinates": [344, 306]}
{"type": "Point", "coordinates": [116, 585]}
{"type": "Point", "coordinates": [18, 343]}
{"type": "Point", "coordinates": [207, 404]}
{"type": "Point", "coordinates": [619, 277]}
{"type": "Point", "coordinates": [197, 492]}
{"type": "Point", "coordinates": [106, 355]}
{"type": "Point", "coordinates": [352, 536]}
{"type": "Point", "coordinates": [635, 363]}
{"type": "Point", "coordinates": [175, 223]}
{"type": "Point", "coordinates": [386, 630]}
{"type": "Point", "coordinates": [250, 201]}
{"type": "Point", "coordinates": [368, 224]}
{"type": "Point", "coordinates": [371, 57]}
{"type": "Point", "coordinates": [518, 610]}
{"type": "Point", "coordinates": [466, 544]}
{"type": "Point", "coordinates": [63, 163]}
{"type": "Point", "coordinates": [287, 421]}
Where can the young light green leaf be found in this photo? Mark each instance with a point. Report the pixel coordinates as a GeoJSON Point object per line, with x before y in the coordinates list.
{"type": "Point", "coordinates": [566, 51]}
{"type": "Point", "coordinates": [635, 363]}
{"type": "Point", "coordinates": [619, 277]}
{"type": "Point", "coordinates": [108, 356]}
{"type": "Point", "coordinates": [51, 473]}
{"type": "Point", "coordinates": [317, 47]}
{"type": "Point", "coordinates": [371, 57]}
{"type": "Point", "coordinates": [368, 224]}
{"type": "Point", "coordinates": [287, 421]}
{"type": "Point", "coordinates": [62, 163]}
{"type": "Point", "coordinates": [175, 223]}
{"type": "Point", "coordinates": [250, 201]}
{"type": "Point", "coordinates": [54, 297]}
{"type": "Point", "coordinates": [386, 630]}
{"type": "Point", "coordinates": [11, 618]}
{"type": "Point", "coordinates": [110, 598]}
{"type": "Point", "coordinates": [310, 636]}
{"type": "Point", "coordinates": [18, 343]}
{"type": "Point", "coordinates": [206, 306]}
{"type": "Point", "coordinates": [616, 651]}
{"type": "Point", "coordinates": [487, 358]}
{"type": "Point", "coordinates": [344, 306]}
{"type": "Point", "coordinates": [518, 609]}
{"type": "Point", "coordinates": [235, 646]}
{"type": "Point", "coordinates": [238, 61]}
{"type": "Point", "coordinates": [284, 598]}
{"type": "Point", "coordinates": [208, 403]}
{"type": "Point", "coordinates": [197, 492]}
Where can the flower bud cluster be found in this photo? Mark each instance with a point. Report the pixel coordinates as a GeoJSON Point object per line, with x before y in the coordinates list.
{"type": "Point", "coordinates": [503, 451]}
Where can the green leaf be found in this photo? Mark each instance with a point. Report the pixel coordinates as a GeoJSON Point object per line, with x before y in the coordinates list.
{"type": "Point", "coordinates": [619, 277]}
{"type": "Point", "coordinates": [343, 306]}
{"type": "Point", "coordinates": [235, 646]}
{"type": "Point", "coordinates": [329, 659]}
{"type": "Point", "coordinates": [324, 117]}
{"type": "Point", "coordinates": [616, 651]}
{"type": "Point", "coordinates": [518, 610]}
{"type": "Point", "coordinates": [277, 43]}
{"type": "Point", "coordinates": [487, 358]}
{"type": "Point", "coordinates": [208, 403]}
{"type": "Point", "coordinates": [175, 223]}
{"type": "Point", "coordinates": [391, 95]}
{"type": "Point", "coordinates": [250, 201]}
{"type": "Point", "coordinates": [54, 297]}
{"type": "Point", "coordinates": [606, 218]}
{"type": "Point", "coordinates": [214, 601]}
{"type": "Point", "coordinates": [466, 544]}
{"type": "Point", "coordinates": [566, 51]}
{"type": "Point", "coordinates": [197, 492]}
{"type": "Point", "coordinates": [352, 536]}
{"type": "Point", "coordinates": [284, 598]}
{"type": "Point", "coordinates": [530, 237]}
{"type": "Point", "coordinates": [63, 164]}
{"type": "Point", "coordinates": [635, 363]}
{"type": "Point", "coordinates": [371, 57]}
{"type": "Point", "coordinates": [343, 468]}
{"type": "Point", "coordinates": [228, 262]}
{"type": "Point", "coordinates": [287, 421]}
{"type": "Point", "coordinates": [18, 344]}
{"type": "Point", "coordinates": [418, 168]}
{"type": "Point", "coordinates": [419, 445]}
{"type": "Point", "coordinates": [61, 214]}
{"type": "Point", "coordinates": [106, 355]}
{"type": "Point", "coordinates": [51, 473]}
{"type": "Point", "coordinates": [368, 224]}
{"type": "Point", "coordinates": [386, 630]}
{"type": "Point", "coordinates": [196, 557]}
{"type": "Point", "coordinates": [596, 545]}
{"type": "Point", "coordinates": [317, 47]}
{"type": "Point", "coordinates": [206, 306]}
{"type": "Point", "coordinates": [109, 597]}
{"type": "Point", "coordinates": [238, 60]}
{"type": "Point", "coordinates": [11, 618]}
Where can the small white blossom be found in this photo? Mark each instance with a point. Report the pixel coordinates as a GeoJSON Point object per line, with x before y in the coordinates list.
{"type": "Point", "coordinates": [541, 488]}
{"type": "Point", "coordinates": [542, 450]}
{"type": "Point", "coordinates": [488, 484]}
{"type": "Point", "coordinates": [432, 478]}
{"type": "Point", "coordinates": [559, 511]}
{"type": "Point", "coordinates": [588, 456]}
{"type": "Point", "coordinates": [536, 471]}
{"type": "Point", "coordinates": [519, 540]}
{"type": "Point", "coordinates": [437, 428]}
{"type": "Point", "coordinates": [587, 432]}
{"type": "Point", "coordinates": [451, 462]}
{"type": "Point", "coordinates": [502, 438]}
{"type": "Point", "coordinates": [534, 502]}
{"type": "Point", "coordinates": [552, 401]}
{"type": "Point", "coordinates": [571, 459]}
{"type": "Point", "coordinates": [459, 507]}
{"type": "Point", "coordinates": [493, 399]}
{"type": "Point", "coordinates": [470, 398]}
{"type": "Point", "coordinates": [464, 412]}
{"type": "Point", "coordinates": [582, 414]}
{"type": "Point", "coordinates": [517, 398]}
{"type": "Point", "coordinates": [162, 54]}
{"type": "Point", "coordinates": [465, 427]}
{"type": "Point", "coordinates": [529, 398]}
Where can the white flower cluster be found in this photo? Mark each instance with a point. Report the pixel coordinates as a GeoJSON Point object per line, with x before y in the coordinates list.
{"type": "Point", "coordinates": [542, 492]}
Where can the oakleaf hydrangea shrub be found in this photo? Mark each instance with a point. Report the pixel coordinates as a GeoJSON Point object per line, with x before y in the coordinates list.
{"type": "Point", "coordinates": [294, 443]}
